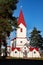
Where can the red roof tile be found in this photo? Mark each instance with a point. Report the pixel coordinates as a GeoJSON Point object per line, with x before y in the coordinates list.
{"type": "Point", "coordinates": [21, 19]}
{"type": "Point", "coordinates": [31, 49]}
{"type": "Point", "coordinates": [15, 48]}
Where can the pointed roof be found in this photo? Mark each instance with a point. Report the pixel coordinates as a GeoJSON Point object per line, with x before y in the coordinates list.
{"type": "Point", "coordinates": [21, 19]}
{"type": "Point", "coordinates": [16, 48]}
{"type": "Point", "coordinates": [31, 49]}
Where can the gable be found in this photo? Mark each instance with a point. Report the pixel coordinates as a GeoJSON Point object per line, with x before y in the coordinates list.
{"type": "Point", "coordinates": [15, 49]}
{"type": "Point", "coordinates": [21, 25]}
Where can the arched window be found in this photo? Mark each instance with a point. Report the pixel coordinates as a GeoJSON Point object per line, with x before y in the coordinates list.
{"type": "Point", "coordinates": [20, 29]}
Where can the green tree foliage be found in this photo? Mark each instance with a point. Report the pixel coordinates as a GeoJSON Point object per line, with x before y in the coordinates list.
{"type": "Point", "coordinates": [7, 21]}
{"type": "Point", "coordinates": [36, 39]}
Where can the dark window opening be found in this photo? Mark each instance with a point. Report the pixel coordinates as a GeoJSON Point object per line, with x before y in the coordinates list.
{"type": "Point", "coordinates": [21, 30]}
{"type": "Point", "coordinates": [34, 52]}
{"type": "Point", "coordinates": [24, 47]}
{"type": "Point", "coordinates": [21, 41]}
{"type": "Point", "coordinates": [15, 51]}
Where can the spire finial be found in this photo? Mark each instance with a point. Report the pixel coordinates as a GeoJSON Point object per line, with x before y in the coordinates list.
{"type": "Point", "coordinates": [21, 3]}
{"type": "Point", "coordinates": [21, 6]}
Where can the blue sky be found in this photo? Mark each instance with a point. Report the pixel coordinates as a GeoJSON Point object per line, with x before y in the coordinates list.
{"type": "Point", "coordinates": [33, 14]}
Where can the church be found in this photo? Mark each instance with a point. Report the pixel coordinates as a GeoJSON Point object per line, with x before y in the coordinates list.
{"type": "Point", "coordinates": [19, 46]}
{"type": "Point", "coordinates": [21, 38]}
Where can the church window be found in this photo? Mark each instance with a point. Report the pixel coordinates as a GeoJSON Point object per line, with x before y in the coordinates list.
{"type": "Point", "coordinates": [24, 47]}
{"type": "Point", "coordinates": [21, 41]}
{"type": "Point", "coordinates": [34, 52]}
{"type": "Point", "coordinates": [21, 30]}
{"type": "Point", "coordinates": [15, 51]}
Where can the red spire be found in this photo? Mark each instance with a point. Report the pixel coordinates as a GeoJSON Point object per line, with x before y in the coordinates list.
{"type": "Point", "coordinates": [21, 19]}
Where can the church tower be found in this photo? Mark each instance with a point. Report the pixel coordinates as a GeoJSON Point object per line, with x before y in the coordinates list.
{"type": "Point", "coordinates": [21, 31]}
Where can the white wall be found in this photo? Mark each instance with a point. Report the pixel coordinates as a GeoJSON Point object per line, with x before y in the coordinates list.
{"type": "Point", "coordinates": [11, 43]}
{"type": "Point", "coordinates": [19, 33]}
{"type": "Point", "coordinates": [21, 36]}
{"type": "Point", "coordinates": [24, 48]}
{"type": "Point", "coordinates": [37, 54]}
{"type": "Point", "coordinates": [29, 54]}
{"type": "Point", "coordinates": [13, 54]}
{"type": "Point", "coordinates": [21, 54]}
{"type": "Point", "coordinates": [16, 54]}
{"type": "Point", "coordinates": [32, 54]}
{"type": "Point", "coordinates": [18, 42]}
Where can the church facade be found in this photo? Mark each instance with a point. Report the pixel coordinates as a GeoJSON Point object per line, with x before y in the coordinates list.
{"type": "Point", "coordinates": [21, 37]}
{"type": "Point", "coordinates": [19, 46]}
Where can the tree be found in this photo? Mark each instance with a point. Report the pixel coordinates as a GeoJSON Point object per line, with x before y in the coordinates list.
{"type": "Point", "coordinates": [7, 22]}
{"type": "Point", "coordinates": [36, 39]}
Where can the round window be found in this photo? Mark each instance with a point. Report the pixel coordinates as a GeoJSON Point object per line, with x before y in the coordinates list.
{"type": "Point", "coordinates": [34, 52]}
{"type": "Point", "coordinates": [15, 51]}
{"type": "Point", "coordinates": [24, 47]}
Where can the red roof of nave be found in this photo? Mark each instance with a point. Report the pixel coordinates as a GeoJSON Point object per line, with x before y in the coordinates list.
{"type": "Point", "coordinates": [31, 49]}
{"type": "Point", "coordinates": [15, 48]}
{"type": "Point", "coordinates": [21, 19]}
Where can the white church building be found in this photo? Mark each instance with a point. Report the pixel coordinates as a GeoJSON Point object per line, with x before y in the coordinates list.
{"type": "Point", "coordinates": [19, 46]}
